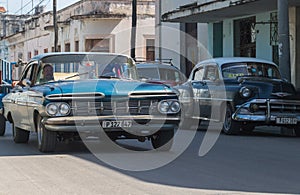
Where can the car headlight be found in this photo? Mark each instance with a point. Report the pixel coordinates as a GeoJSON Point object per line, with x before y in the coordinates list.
{"type": "Point", "coordinates": [245, 92]}
{"type": "Point", "coordinates": [175, 107]}
{"type": "Point", "coordinates": [169, 107]}
{"type": "Point", "coordinates": [58, 109]}
{"type": "Point", "coordinates": [52, 109]}
{"type": "Point", "coordinates": [64, 109]}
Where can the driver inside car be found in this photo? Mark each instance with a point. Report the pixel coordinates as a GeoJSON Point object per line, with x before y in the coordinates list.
{"type": "Point", "coordinates": [47, 73]}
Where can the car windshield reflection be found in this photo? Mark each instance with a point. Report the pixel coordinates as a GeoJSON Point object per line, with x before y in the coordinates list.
{"type": "Point", "coordinates": [234, 70]}
{"type": "Point", "coordinates": [74, 67]}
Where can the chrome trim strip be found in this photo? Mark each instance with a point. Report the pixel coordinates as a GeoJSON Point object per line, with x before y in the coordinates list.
{"type": "Point", "coordinates": [268, 111]}
{"type": "Point", "coordinates": [144, 94]}
{"type": "Point", "coordinates": [76, 96]}
{"type": "Point", "coordinates": [256, 118]}
{"type": "Point", "coordinates": [213, 99]}
{"type": "Point", "coordinates": [88, 119]}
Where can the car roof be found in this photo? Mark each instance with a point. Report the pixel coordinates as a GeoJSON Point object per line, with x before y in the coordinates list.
{"type": "Point", "coordinates": [224, 60]}
{"type": "Point", "coordinates": [156, 65]}
{"type": "Point", "coordinates": [41, 56]}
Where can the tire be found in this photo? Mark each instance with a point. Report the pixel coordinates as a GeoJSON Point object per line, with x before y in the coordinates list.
{"type": "Point", "coordinates": [162, 140]}
{"type": "Point", "coordinates": [297, 130]}
{"type": "Point", "coordinates": [2, 125]}
{"type": "Point", "coordinates": [230, 127]}
{"type": "Point", "coordinates": [46, 139]}
{"type": "Point", "coordinates": [20, 135]}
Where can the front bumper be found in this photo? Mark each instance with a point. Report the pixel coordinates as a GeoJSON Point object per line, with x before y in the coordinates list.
{"type": "Point", "coordinates": [141, 124]}
{"type": "Point", "coordinates": [268, 111]}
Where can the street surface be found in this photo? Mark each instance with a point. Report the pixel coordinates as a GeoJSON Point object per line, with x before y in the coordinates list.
{"type": "Point", "coordinates": [246, 164]}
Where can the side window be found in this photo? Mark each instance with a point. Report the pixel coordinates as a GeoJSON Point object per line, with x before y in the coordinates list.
{"type": "Point", "coordinates": [198, 75]}
{"type": "Point", "coordinates": [28, 73]}
{"type": "Point", "coordinates": [211, 73]}
{"type": "Point", "coordinates": [148, 73]}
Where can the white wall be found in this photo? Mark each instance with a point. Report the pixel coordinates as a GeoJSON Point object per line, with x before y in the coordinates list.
{"type": "Point", "coordinates": [263, 47]}
{"type": "Point", "coordinates": [228, 34]}
{"type": "Point", "coordinates": [170, 43]}
{"type": "Point", "coordinates": [203, 48]}
{"type": "Point", "coordinates": [170, 35]}
{"type": "Point", "coordinates": [293, 34]}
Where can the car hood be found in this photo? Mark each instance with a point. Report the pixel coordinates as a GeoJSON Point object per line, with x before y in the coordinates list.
{"type": "Point", "coordinates": [271, 88]}
{"type": "Point", "coordinates": [106, 87]}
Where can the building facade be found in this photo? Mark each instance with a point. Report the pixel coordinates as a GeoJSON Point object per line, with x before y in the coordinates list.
{"type": "Point", "coordinates": [183, 42]}
{"type": "Point", "coordinates": [244, 28]}
{"type": "Point", "coordinates": [88, 25]}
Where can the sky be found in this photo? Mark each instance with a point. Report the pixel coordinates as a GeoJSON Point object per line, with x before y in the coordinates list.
{"type": "Point", "coordinates": [15, 6]}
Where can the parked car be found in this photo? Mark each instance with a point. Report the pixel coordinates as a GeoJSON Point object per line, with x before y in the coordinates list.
{"type": "Point", "coordinates": [242, 93]}
{"type": "Point", "coordinates": [5, 86]}
{"type": "Point", "coordinates": [160, 72]}
{"type": "Point", "coordinates": [88, 93]}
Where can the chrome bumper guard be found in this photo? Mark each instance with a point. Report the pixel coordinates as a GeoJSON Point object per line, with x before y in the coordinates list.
{"type": "Point", "coordinates": [268, 110]}
{"type": "Point", "coordinates": [93, 123]}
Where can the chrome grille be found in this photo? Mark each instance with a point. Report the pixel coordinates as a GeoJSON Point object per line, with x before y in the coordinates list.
{"type": "Point", "coordinates": [277, 107]}
{"type": "Point", "coordinates": [132, 107]}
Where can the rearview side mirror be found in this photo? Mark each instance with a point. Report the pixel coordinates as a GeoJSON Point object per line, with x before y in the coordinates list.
{"type": "Point", "coordinates": [26, 82]}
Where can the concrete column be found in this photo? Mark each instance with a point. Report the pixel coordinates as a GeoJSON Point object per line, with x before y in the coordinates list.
{"type": "Point", "coordinates": [284, 39]}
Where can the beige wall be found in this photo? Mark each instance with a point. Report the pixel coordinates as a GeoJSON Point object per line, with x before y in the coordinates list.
{"type": "Point", "coordinates": [38, 34]}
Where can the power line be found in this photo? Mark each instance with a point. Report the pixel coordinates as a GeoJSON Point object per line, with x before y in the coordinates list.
{"type": "Point", "coordinates": [22, 7]}
{"type": "Point", "coordinates": [36, 6]}
{"type": "Point", "coordinates": [33, 7]}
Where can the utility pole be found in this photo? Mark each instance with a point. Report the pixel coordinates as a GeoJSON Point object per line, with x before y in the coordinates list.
{"type": "Point", "coordinates": [133, 29]}
{"type": "Point", "coordinates": [284, 39]}
{"type": "Point", "coordinates": [159, 30]}
{"type": "Point", "coordinates": [55, 27]}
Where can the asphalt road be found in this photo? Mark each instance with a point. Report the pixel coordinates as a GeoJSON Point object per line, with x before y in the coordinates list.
{"type": "Point", "coordinates": [245, 164]}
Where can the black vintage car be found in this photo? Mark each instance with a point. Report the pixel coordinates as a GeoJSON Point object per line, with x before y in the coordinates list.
{"type": "Point", "coordinates": [242, 93]}
{"type": "Point", "coordinates": [61, 95]}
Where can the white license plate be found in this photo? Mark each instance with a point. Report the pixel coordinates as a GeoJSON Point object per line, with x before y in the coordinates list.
{"type": "Point", "coordinates": [286, 120]}
{"type": "Point", "coordinates": [116, 124]}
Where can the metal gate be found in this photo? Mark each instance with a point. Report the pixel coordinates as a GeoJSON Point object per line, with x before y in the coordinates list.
{"type": "Point", "coordinates": [6, 72]}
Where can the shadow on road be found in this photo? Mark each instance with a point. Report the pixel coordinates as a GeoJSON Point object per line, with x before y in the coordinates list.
{"type": "Point", "coordinates": [250, 162]}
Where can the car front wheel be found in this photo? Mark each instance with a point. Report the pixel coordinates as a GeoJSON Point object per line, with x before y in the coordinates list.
{"type": "Point", "coordinates": [163, 140]}
{"type": "Point", "coordinates": [2, 125]}
{"type": "Point", "coordinates": [230, 127]}
{"type": "Point", "coordinates": [297, 130]}
{"type": "Point", "coordinates": [20, 135]}
{"type": "Point", "coordinates": [46, 138]}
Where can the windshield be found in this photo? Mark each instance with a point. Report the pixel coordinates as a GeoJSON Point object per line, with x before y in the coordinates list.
{"type": "Point", "coordinates": [234, 70]}
{"type": "Point", "coordinates": [91, 66]}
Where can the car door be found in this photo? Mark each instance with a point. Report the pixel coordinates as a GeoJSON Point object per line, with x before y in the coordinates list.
{"type": "Point", "coordinates": [215, 93]}
{"type": "Point", "coordinates": [20, 108]}
{"type": "Point", "coordinates": [200, 93]}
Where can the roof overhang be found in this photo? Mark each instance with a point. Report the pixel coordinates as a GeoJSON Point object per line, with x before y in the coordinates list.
{"type": "Point", "coordinates": [220, 10]}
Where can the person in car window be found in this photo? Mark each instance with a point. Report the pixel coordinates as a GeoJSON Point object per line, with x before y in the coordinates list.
{"type": "Point", "coordinates": [47, 73]}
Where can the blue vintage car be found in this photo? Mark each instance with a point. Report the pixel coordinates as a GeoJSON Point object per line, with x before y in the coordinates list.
{"type": "Point", "coordinates": [6, 85]}
{"type": "Point", "coordinates": [242, 93]}
{"type": "Point", "coordinates": [61, 95]}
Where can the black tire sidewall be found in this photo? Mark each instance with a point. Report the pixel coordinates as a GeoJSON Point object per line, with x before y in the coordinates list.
{"type": "Point", "coordinates": [2, 125]}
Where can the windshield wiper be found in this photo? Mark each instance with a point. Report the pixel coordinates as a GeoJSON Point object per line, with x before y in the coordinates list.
{"type": "Point", "coordinates": [108, 77]}
{"type": "Point", "coordinates": [76, 75]}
